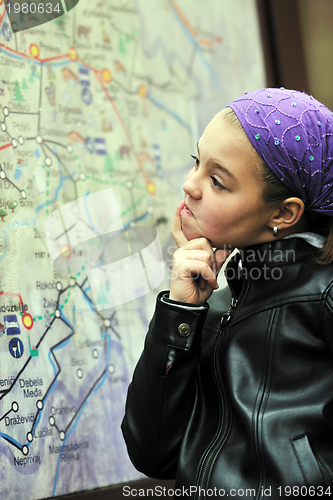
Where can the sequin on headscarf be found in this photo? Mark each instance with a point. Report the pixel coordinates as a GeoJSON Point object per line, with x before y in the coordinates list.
{"type": "Point", "coordinates": [293, 133]}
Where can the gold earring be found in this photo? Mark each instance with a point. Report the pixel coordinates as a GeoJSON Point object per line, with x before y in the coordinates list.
{"type": "Point", "coordinates": [275, 231]}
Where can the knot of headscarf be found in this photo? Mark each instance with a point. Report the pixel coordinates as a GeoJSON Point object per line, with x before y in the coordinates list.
{"type": "Point", "coordinates": [293, 133]}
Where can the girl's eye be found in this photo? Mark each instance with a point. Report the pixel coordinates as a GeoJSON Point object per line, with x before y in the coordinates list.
{"type": "Point", "coordinates": [196, 161]}
{"type": "Point", "coordinates": [216, 183]}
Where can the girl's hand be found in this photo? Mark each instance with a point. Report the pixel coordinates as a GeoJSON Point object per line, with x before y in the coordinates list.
{"type": "Point", "coordinates": [195, 265]}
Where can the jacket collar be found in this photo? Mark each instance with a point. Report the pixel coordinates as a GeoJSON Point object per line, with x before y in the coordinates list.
{"type": "Point", "coordinates": [271, 253]}
{"type": "Point", "coordinates": [261, 262]}
{"type": "Point", "coordinates": [276, 252]}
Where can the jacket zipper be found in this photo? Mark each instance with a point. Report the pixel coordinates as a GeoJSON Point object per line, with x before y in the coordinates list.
{"type": "Point", "coordinates": [227, 316]}
{"type": "Point", "coordinates": [225, 421]}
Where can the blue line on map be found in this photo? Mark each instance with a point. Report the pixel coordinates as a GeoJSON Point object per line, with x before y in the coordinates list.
{"type": "Point", "coordinates": [62, 314]}
{"type": "Point", "coordinates": [90, 304]}
{"type": "Point", "coordinates": [62, 180]}
{"type": "Point", "coordinates": [172, 113]}
{"type": "Point", "coordinates": [32, 223]}
{"type": "Point", "coordinates": [52, 363]}
{"type": "Point", "coordinates": [37, 421]}
{"type": "Point", "coordinates": [59, 63]}
{"type": "Point", "coordinates": [81, 412]}
{"type": "Point", "coordinates": [61, 183]}
{"type": "Point", "coordinates": [60, 346]}
{"type": "Point", "coordinates": [11, 439]}
{"type": "Point", "coordinates": [50, 388]}
{"type": "Point", "coordinates": [15, 224]}
{"type": "Point", "coordinates": [88, 214]}
{"type": "Point", "coordinates": [197, 46]}
{"type": "Point", "coordinates": [10, 54]}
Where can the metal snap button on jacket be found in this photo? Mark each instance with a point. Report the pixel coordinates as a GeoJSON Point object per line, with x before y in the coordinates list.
{"type": "Point", "coordinates": [184, 330]}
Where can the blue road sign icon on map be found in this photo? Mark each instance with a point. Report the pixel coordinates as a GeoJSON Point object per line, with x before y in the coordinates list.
{"type": "Point", "coordinates": [7, 32]}
{"type": "Point", "coordinates": [87, 96]}
{"type": "Point", "coordinates": [90, 145]}
{"type": "Point", "coordinates": [12, 326]}
{"type": "Point", "coordinates": [16, 348]}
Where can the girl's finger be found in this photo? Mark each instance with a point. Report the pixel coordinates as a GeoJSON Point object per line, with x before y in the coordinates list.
{"type": "Point", "coordinates": [176, 228]}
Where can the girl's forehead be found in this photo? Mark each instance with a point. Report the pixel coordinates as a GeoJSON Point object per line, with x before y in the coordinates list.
{"type": "Point", "coordinates": [225, 127]}
{"type": "Point", "coordinates": [226, 142]}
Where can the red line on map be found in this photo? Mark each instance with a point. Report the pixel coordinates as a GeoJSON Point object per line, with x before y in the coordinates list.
{"type": "Point", "coordinates": [98, 74]}
{"type": "Point", "coordinates": [2, 17]}
{"type": "Point", "coordinates": [6, 146]}
{"type": "Point", "coordinates": [52, 58]}
{"type": "Point", "coordinates": [188, 25]}
{"type": "Point", "coordinates": [14, 51]}
{"type": "Point", "coordinates": [9, 294]}
{"type": "Point", "coordinates": [95, 70]}
{"type": "Point", "coordinates": [29, 56]}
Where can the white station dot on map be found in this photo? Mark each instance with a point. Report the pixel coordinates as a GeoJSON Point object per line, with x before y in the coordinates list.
{"type": "Point", "coordinates": [59, 285]}
{"type": "Point", "coordinates": [2, 174]}
{"type": "Point", "coordinates": [30, 437]}
{"type": "Point", "coordinates": [14, 143]}
{"type": "Point", "coordinates": [39, 139]}
{"type": "Point", "coordinates": [25, 450]}
{"type": "Point", "coordinates": [3, 127]}
{"type": "Point", "coordinates": [79, 373]}
{"type": "Point", "coordinates": [5, 111]}
{"type": "Point", "coordinates": [20, 140]}
{"type": "Point", "coordinates": [107, 323]}
{"type": "Point", "coordinates": [48, 161]}
{"type": "Point", "coordinates": [62, 435]}
{"type": "Point", "coordinates": [129, 184]}
{"type": "Point", "coordinates": [40, 404]}
{"type": "Point", "coordinates": [111, 368]}
{"type": "Point", "coordinates": [150, 209]}
{"type": "Point", "coordinates": [23, 194]}
{"type": "Point", "coordinates": [82, 176]}
{"type": "Point", "coordinates": [95, 353]}
{"type": "Point", "coordinates": [72, 282]}
{"type": "Point", "coordinates": [70, 148]}
{"type": "Point", "coordinates": [15, 406]}
{"type": "Point", "coordinates": [52, 420]}
{"type": "Point", "coordinates": [57, 313]}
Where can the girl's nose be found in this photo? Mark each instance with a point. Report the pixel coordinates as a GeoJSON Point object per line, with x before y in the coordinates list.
{"type": "Point", "coordinates": [192, 185]}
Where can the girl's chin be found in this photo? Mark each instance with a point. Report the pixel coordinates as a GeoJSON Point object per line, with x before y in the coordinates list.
{"type": "Point", "coordinates": [190, 233]}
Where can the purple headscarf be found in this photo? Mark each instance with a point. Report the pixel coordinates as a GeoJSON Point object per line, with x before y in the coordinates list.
{"type": "Point", "coordinates": [293, 133]}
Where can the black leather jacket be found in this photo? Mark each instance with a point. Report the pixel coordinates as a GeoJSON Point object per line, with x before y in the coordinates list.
{"type": "Point", "coordinates": [243, 405]}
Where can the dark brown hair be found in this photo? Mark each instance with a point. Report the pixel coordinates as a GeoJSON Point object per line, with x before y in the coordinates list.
{"type": "Point", "coordinates": [275, 191]}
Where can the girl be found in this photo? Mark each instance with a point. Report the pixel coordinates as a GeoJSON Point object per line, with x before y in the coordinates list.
{"type": "Point", "coordinates": [234, 396]}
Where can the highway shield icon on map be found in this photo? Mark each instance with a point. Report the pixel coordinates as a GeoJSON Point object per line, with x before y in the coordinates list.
{"type": "Point", "coordinates": [122, 263]}
{"type": "Point", "coordinates": [32, 13]}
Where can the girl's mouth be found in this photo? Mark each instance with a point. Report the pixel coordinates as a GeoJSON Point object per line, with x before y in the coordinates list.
{"type": "Point", "coordinates": [187, 211]}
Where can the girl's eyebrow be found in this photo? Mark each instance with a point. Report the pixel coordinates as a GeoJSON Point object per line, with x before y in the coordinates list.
{"type": "Point", "coordinates": [217, 165]}
{"type": "Point", "coordinates": [223, 170]}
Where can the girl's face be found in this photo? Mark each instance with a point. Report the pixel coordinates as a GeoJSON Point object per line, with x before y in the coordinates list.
{"type": "Point", "coordinates": [223, 191]}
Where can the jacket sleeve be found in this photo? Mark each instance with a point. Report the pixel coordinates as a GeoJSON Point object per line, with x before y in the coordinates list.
{"type": "Point", "coordinates": [161, 395]}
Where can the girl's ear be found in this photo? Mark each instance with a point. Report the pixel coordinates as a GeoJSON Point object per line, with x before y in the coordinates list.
{"type": "Point", "coordinates": [289, 213]}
